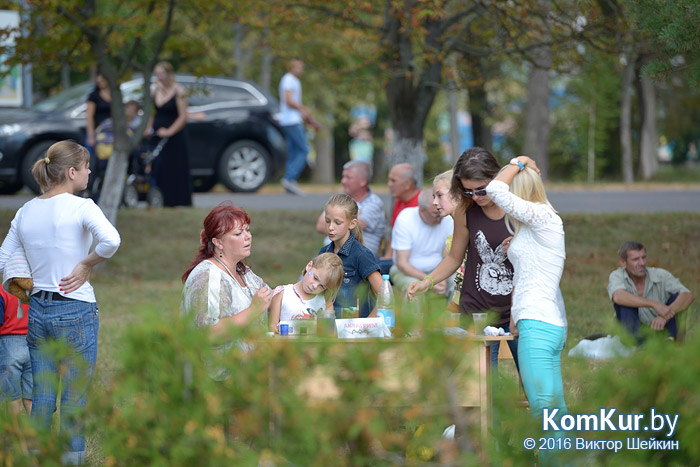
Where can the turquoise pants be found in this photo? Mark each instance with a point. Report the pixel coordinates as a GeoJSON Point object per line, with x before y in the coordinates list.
{"type": "Point", "coordinates": [539, 354]}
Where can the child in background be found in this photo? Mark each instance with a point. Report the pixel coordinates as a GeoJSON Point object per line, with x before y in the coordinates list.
{"type": "Point", "coordinates": [104, 142]}
{"type": "Point", "coordinates": [15, 366]}
{"type": "Point", "coordinates": [315, 291]}
{"type": "Point", "coordinates": [104, 134]}
{"type": "Point", "coordinates": [446, 205]}
{"type": "Point", "coordinates": [359, 263]}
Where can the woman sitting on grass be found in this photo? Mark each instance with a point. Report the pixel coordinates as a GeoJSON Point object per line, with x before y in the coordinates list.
{"type": "Point", "coordinates": [220, 290]}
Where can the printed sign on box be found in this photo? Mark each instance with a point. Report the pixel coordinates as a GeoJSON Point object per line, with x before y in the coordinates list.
{"type": "Point", "coordinates": [358, 328]}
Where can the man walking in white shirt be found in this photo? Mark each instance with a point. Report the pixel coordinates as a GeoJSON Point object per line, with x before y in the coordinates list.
{"type": "Point", "coordinates": [292, 117]}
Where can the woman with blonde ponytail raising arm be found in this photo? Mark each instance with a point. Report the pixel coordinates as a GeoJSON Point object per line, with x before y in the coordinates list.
{"type": "Point", "coordinates": [537, 252]}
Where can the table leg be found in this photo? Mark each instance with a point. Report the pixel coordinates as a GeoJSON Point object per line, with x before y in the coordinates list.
{"type": "Point", "coordinates": [484, 370]}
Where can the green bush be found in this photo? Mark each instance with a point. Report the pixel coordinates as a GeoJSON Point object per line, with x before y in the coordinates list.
{"type": "Point", "coordinates": [311, 401]}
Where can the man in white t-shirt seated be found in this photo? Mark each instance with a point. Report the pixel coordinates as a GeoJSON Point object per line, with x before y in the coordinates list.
{"type": "Point", "coordinates": [418, 240]}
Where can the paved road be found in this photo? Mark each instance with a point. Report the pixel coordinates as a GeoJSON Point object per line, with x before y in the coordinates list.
{"type": "Point", "coordinates": [564, 201]}
{"type": "Point", "coordinates": [574, 201]}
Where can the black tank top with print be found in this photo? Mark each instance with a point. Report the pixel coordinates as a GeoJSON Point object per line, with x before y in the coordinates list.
{"type": "Point", "coordinates": [488, 275]}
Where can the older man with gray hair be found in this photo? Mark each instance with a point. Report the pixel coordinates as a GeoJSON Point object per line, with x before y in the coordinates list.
{"type": "Point", "coordinates": [418, 239]}
{"type": "Point", "coordinates": [355, 181]}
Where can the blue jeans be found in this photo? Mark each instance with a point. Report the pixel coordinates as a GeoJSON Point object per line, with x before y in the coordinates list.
{"type": "Point", "coordinates": [297, 149]}
{"type": "Point", "coordinates": [629, 318]}
{"type": "Point", "coordinates": [513, 345]}
{"type": "Point", "coordinates": [76, 324]}
{"type": "Point", "coordinates": [385, 265]}
{"type": "Point", "coordinates": [15, 368]}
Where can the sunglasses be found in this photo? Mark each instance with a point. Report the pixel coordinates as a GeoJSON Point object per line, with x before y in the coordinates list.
{"type": "Point", "coordinates": [469, 193]}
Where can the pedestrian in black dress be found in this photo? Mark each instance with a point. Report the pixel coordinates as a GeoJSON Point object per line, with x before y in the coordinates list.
{"type": "Point", "coordinates": [171, 167]}
{"type": "Point", "coordinates": [99, 109]}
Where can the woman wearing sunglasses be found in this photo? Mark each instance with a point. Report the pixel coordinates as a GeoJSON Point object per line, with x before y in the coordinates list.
{"type": "Point", "coordinates": [480, 229]}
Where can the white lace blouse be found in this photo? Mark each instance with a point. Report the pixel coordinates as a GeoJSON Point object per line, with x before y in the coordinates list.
{"type": "Point", "coordinates": [210, 294]}
{"type": "Point", "coordinates": [537, 254]}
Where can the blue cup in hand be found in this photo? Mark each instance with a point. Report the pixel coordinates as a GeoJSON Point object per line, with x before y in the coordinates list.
{"type": "Point", "coordinates": [284, 329]}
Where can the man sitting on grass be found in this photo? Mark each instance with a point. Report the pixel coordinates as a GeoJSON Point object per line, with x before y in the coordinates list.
{"type": "Point", "coordinates": [650, 295]}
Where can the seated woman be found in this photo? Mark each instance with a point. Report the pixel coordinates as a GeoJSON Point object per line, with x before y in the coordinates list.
{"type": "Point", "coordinates": [220, 290]}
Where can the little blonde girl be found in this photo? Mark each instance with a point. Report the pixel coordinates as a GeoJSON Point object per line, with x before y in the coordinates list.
{"type": "Point", "coordinates": [359, 263]}
{"type": "Point", "coordinates": [315, 291]}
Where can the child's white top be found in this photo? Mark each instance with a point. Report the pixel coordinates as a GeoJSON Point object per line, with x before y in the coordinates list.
{"type": "Point", "coordinates": [57, 234]}
{"type": "Point", "coordinates": [295, 307]}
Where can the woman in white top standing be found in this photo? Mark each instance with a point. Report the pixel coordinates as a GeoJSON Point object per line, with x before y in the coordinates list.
{"type": "Point", "coordinates": [57, 230]}
{"type": "Point", "coordinates": [537, 252]}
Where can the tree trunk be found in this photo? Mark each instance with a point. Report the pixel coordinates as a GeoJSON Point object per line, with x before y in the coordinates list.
{"type": "Point", "coordinates": [238, 35]}
{"type": "Point", "coordinates": [410, 90]}
{"type": "Point", "coordinates": [648, 161]}
{"type": "Point", "coordinates": [453, 101]}
{"type": "Point", "coordinates": [265, 60]}
{"type": "Point", "coordinates": [591, 142]}
{"type": "Point", "coordinates": [113, 184]}
{"type": "Point", "coordinates": [626, 121]}
{"type": "Point", "coordinates": [65, 76]}
{"type": "Point", "coordinates": [453, 105]}
{"type": "Point", "coordinates": [408, 107]}
{"type": "Point", "coordinates": [479, 110]}
{"type": "Point", "coordinates": [325, 156]}
{"type": "Point", "coordinates": [408, 149]}
{"type": "Point", "coordinates": [26, 69]}
{"type": "Point", "coordinates": [536, 144]}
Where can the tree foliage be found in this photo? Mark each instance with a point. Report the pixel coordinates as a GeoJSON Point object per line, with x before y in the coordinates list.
{"type": "Point", "coordinates": [120, 38]}
{"type": "Point", "coordinates": [673, 28]}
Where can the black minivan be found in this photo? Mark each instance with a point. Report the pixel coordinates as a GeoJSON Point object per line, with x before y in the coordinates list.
{"type": "Point", "coordinates": [237, 142]}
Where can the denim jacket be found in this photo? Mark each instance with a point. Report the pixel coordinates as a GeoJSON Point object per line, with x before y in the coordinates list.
{"type": "Point", "coordinates": [358, 263]}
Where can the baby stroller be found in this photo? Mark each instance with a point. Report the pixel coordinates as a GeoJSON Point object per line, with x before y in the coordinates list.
{"type": "Point", "coordinates": [140, 182]}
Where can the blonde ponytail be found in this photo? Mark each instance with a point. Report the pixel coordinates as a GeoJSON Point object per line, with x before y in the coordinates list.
{"type": "Point", "coordinates": [51, 169]}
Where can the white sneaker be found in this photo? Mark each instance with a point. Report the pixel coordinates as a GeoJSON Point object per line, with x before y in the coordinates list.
{"type": "Point", "coordinates": [291, 186]}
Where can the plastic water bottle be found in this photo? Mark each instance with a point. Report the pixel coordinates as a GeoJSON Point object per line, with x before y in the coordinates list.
{"type": "Point", "coordinates": [385, 302]}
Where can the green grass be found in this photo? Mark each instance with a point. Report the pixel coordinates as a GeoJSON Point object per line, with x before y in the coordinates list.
{"type": "Point", "coordinates": [157, 245]}
{"type": "Point", "coordinates": [678, 174]}
{"type": "Point", "coordinates": [142, 281]}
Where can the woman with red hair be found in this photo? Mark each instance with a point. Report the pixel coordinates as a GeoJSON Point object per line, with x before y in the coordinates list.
{"type": "Point", "coordinates": [220, 289]}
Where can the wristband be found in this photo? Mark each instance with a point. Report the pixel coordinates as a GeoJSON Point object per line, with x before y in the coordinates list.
{"type": "Point", "coordinates": [432, 282]}
{"type": "Point", "coordinates": [515, 161]}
